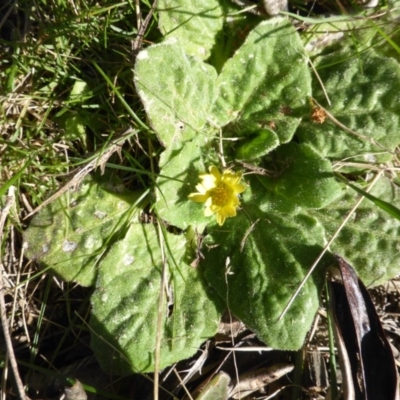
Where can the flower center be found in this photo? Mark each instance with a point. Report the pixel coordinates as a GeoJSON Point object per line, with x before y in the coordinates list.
{"type": "Point", "coordinates": [221, 194]}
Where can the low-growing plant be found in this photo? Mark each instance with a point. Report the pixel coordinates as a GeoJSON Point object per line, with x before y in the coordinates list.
{"type": "Point", "coordinates": [246, 198]}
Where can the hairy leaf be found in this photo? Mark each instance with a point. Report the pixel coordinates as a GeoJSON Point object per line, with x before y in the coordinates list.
{"type": "Point", "coordinates": [194, 23]}
{"type": "Point", "coordinates": [177, 91]}
{"type": "Point", "coordinates": [125, 303]}
{"type": "Point", "coordinates": [70, 235]}
{"type": "Point", "coordinates": [301, 179]}
{"type": "Point", "coordinates": [178, 178]}
{"type": "Point", "coordinates": [370, 239]}
{"type": "Point", "coordinates": [365, 97]}
{"type": "Point", "coordinates": [256, 265]}
{"type": "Point", "coordinates": [266, 83]}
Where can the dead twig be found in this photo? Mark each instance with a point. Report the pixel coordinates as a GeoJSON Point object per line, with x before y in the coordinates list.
{"type": "Point", "coordinates": [142, 26]}
{"type": "Point", "coordinates": [10, 201]}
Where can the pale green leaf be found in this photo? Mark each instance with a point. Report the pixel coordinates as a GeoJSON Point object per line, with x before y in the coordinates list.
{"type": "Point", "coordinates": [266, 83]}
{"type": "Point", "coordinates": [178, 178]}
{"type": "Point", "coordinates": [216, 389]}
{"type": "Point", "coordinates": [370, 240]}
{"type": "Point", "coordinates": [70, 235]}
{"type": "Point", "coordinates": [78, 91]}
{"type": "Point", "coordinates": [74, 127]}
{"type": "Point", "coordinates": [177, 91]}
{"type": "Point", "coordinates": [125, 303]}
{"type": "Point", "coordinates": [256, 262]}
{"type": "Point", "coordinates": [194, 23]}
{"type": "Point", "coordinates": [365, 97]}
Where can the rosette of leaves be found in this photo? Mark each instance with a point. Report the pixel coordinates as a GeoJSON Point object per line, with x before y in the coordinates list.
{"type": "Point", "coordinates": [263, 114]}
{"type": "Point", "coordinates": [258, 259]}
{"type": "Point", "coordinates": [250, 108]}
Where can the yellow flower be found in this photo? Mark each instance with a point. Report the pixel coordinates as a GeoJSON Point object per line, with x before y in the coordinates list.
{"type": "Point", "coordinates": [219, 193]}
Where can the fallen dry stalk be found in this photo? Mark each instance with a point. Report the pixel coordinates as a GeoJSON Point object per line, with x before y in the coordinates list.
{"type": "Point", "coordinates": [10, 201]}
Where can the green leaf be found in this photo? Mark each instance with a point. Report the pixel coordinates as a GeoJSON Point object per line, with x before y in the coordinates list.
{"type": "Point", "coordinates": [266, 83]}
{"type": "Point", "coordinates": [301, 179]}
{"type": "Point", "coordinates": [365, 97]}
{"type": "Point", "coordinates": [178, 177]}
{"type": "Point", "coordinates": [177, 91]}
{"type": "Point", "coordinates": [79, 91]}
{"type": "Point", "coordinates": [384, 205]}
{"type": "Point", "coordinates": [263, 142]}
{"type": "Point", "coordinates": [125, 304]}
{"type": "Point", "coordinates": [74, 127]}
{"type": "Point", "coordinates": [217, 388]}
{"type": "Point", "coordinates": [257, 260]}
{"type": "Point", "coordinates": [370, 240]}
{"type": "Point", "coordinates": [14, 178]}
{"type": "Point", "coordinates": [69, 235]}
{"type": "Point", "coordinates": [265, 251]}
{"type": "Point", "coordinates": [194, 24]}
{"type": "Point", "coordinates": [255, 265]}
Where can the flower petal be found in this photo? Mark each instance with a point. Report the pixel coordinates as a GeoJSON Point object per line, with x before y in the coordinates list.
{"type": "Point", "coordinates": [215, 208]}
{"type": "Point", "coordinates": [208, 211]}
{"type": "Point", "coordinates": [200, 188]}
{"type": "Point", "coordinates": [220, 219]}
{"type": "Point", "coordinates": [228, 174]}
{"type": "Point", "coordinates": [198, 197]}
{"type": "Point", "coordinates": [219, 193]}
{"type": "Point", "coordinates": [234, 201]}
{"type": "Point", "coordinates": [239, 188]}
{"type": "Point", "coordinates": [214, 171]}
{"type": "Point", "coordinates": [208, 181]}
{"type": "Point", "coordinates": [228, 211]}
